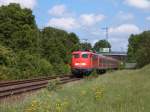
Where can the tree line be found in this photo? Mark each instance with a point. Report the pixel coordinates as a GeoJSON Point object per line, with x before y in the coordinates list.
{"type": "Point", "coordinates": [27, 52]}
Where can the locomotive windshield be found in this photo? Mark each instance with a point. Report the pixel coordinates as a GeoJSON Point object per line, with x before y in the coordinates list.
{"type": "Point", "coordinates": [84, 55]}
{"type": "Point", "coordinates": [76, 55]}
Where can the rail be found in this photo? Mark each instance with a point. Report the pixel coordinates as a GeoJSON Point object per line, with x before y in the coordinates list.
{"type": "Point", "coordinates": [10, 88]}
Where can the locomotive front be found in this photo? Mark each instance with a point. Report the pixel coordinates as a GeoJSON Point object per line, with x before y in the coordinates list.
{"type": "Point", "coordinates": [81, 63]}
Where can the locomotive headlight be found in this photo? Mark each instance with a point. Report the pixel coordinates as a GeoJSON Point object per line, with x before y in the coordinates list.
{"type": "Point", "coordinates": [83, 64]}
{"type": "Point", "coordinates": [77, 63]}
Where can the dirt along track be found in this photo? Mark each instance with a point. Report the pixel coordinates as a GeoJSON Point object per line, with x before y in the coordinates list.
{"type": "Point", "coordinates": [11, 88]}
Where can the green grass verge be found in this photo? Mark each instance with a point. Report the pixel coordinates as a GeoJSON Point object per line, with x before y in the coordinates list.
{"type": "Point", "coordinates": [120, 91]}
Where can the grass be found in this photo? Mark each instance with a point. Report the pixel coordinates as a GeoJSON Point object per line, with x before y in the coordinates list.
{"type": "Point", "coordinates": [120, 91]}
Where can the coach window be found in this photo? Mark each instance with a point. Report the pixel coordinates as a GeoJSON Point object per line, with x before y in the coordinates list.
{"type": "Point", "coordinates": [76, 55]}
{"type": "Point", "coordinates": [84, 55]}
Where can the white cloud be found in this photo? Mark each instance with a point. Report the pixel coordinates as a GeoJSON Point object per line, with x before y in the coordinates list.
{"type": "Point", "coordinates": [70, 22]}
{"type": "Point", "coordinates": [142, 4]}
{"type": "Point", "coordinates": [63, 23]}
{"type": "Point", "coordinates": [91, 19]}
{"type": "Point", "coordinates": [125, 16]}
{"type": "Point", "coordinates": [58, 10]}
{"type": "Point", "coordinates": [148, 18]}
{"type": "Point", "coordinates": [125, 29]}
{"type": "Point", "coordinates": [24, 3]}
{"type": "Point", "coordinates": [62, 18]}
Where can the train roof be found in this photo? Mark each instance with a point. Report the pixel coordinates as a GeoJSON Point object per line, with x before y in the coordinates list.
{"type": "Point", "coordinates": [89, 52]}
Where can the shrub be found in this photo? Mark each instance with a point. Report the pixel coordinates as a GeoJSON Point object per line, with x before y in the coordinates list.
{"type": "Point", "coordinates": [53, 85]}
{"type": "Point", "coordinates": [34, 65]}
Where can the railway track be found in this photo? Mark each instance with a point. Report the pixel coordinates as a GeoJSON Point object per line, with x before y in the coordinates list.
{"type": "Point", "coordinates": [10, 88]}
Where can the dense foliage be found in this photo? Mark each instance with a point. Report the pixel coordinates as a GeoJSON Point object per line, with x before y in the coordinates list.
{"type": "Point", "coordinates": [139, 49]}
{"type": "Point", "coordinates": [85, 46]}
{"type": "Point", "coordinates": [27, 52]}
{"type": "Point", "coordinates": [101, 44]}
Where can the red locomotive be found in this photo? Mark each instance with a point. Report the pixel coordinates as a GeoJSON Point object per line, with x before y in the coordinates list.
{"type": "Point", "coordinates": [84, 62]}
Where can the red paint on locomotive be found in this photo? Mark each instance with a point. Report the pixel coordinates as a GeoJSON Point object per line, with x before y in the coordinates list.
{"type": "Point", "coordinates": [86, 62]}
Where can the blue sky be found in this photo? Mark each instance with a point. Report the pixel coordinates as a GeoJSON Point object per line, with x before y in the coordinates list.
{"type": "Point", "coordinates": [87, 17]}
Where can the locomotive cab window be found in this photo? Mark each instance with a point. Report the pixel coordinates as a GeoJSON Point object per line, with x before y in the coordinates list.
{"type": "Point", "coordinates": [84, 55]}
{"type": "Point", "coordinates": [76, 55]}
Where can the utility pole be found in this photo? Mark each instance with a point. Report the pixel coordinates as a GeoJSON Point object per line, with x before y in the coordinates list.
{"type": "Point", "coordinates": [107, 35]}
{"type": "Point", "coordinates": [107, 32]}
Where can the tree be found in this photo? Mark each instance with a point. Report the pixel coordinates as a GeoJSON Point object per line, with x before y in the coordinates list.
{"type": "Point", "coordinates": [57, 45]}
{"type": "Point", "coordinates": [12, 19]}
{"type": "Point", "coordinates": [85, 46]}
{"type": "Point", "coordinates": [101, 44]}
{"type": "Point", "coordinates": [139, 49]}
{"type": "Point", "coordinates": [72, 42]}
{"type": "Point", "coordinates": [73, 38]}
{"type": "Point", "coordinates": [25, 39]}
{"type": "Point", "coordinates": [132, 47]}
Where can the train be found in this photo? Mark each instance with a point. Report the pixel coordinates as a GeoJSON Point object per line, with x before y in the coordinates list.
{"type": "Point", "coordinates": [85, 62]}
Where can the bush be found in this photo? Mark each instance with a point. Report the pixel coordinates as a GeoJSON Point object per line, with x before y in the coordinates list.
{"type": "Point", "coordinates": [53, 85]}
{"type": "Point", "coordinates": [6, 56]}
{"type": "Point", "coordinates": [3, 73]}
{"type": "Point", "coordinates": [61, 69]}
{"type": "Point", "coordinates": [33, 65]}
